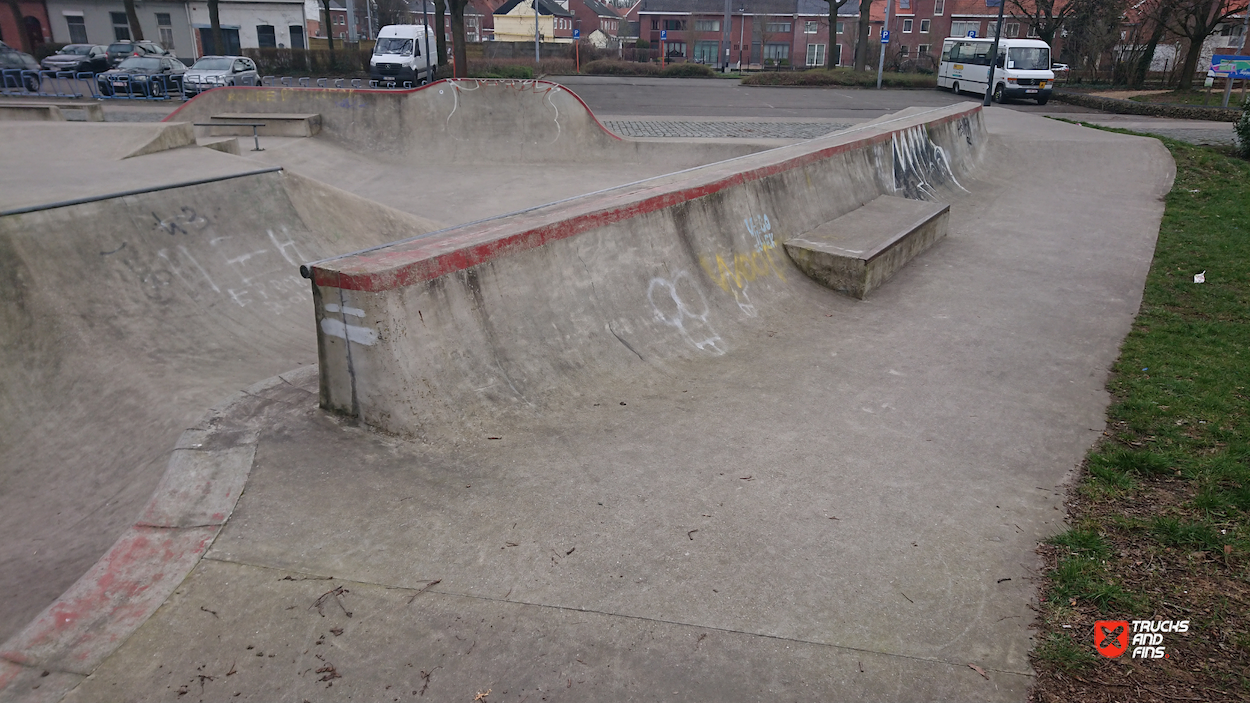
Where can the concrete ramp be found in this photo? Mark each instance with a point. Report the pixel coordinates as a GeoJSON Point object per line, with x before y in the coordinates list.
{"type": "Point", "coordinates": [121, 320]}
{"type": "Point", "coordinates": [463, 121]}
{"type": "Point", "coordinates": [521, 311]}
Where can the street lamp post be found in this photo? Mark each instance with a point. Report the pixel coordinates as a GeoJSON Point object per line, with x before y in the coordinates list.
{"type": "Point", "coordinates": [998, 33]}
{"type": "Point", "coordinates": [537, 57]}
{"type": "Point", "coordinates": [742, 28]}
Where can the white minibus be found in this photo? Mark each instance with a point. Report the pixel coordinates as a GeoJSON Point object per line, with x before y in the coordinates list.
{"type": "Point", "coordinates": [1022, 69]}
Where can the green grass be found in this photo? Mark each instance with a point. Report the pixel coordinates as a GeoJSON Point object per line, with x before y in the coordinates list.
{"type": "Point", "coordinates": [1192, 97]}
{"type": "Point", "coordinates": [1062, 652]}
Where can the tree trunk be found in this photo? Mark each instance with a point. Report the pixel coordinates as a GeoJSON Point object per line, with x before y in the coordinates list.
{"type": "Point", "coordinates": [440, 21]}
{"type": "Point", "coordinates": [1138, 78]}
{"type": "Point", "coordinates": [325, 6]}
{"type": "Point", "coordinates": [834, 6]}
{"type": "Point", "coordinates": [23, 42]}
{"type": "Point", "coordinates": [861, 41]}
{"type": "Point", "coordinates": [132, 17]}
{"type": "Point", "coordinates": [214, 20]}
{"type": "Point", "coordinates": [457, 37]}
{"type": "Point", "coordinates": [1186, 80]}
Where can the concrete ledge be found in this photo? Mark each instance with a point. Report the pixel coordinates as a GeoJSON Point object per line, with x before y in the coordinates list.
{"type": "Point", "coordinates": [27, 112]}
{"type": "Point", "coordinates": [862, 249]}
{"type": "Point", "coordinates": [276, 124]}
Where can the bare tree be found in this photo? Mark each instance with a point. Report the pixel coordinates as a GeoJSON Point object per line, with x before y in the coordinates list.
{"type": "Point", "coordinates": [1093, 28]}
{"type": "Point", "coordinates": [457, 35]}
{"type": "Point", "coordinates": [1195, 20]}
{"type": "Point", "coordinates": [440, 21]}
{"type": "Point", "coordinates": [23, 41]}
{"type": "Point", "coordinates": [861, 41]}
{"type": "Point", "coordinates": [325, 7]}
{"type": "Point", "coordinates": [1154, 14]}
{"type": "Point", "coordinates": [132, 18]}
{"type": "Point", "coordinates": [1046, 17]}
{"type": "Point", "coordinates": [834, 7]}
{"type": "Point", "coordinates": [393, 12]}
{"type": "Point", "coordinates": [214, 22]}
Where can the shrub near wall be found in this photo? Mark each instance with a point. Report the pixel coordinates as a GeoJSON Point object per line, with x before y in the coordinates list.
{"type": "Point", "coordinates": [610, 67]}
{"type": "Point", "coordinates": [1132, 107]}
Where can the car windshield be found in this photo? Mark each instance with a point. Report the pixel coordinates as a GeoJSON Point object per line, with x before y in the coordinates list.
{"type": "Point", "coordinates": [141, 63]}
{"type": "Point", "coordinates": [120, 48]}
{"type": "Point", "coordinates": [213, 64]}
{"type": "Point", "coordinates": [394, 45]}
{"type": "Point", "coordinates": [78, 49]}
{"type": "Point", "coordinates": [1028, 59]}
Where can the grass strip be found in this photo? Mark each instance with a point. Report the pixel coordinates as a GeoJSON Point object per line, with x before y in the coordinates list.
{"type": "Point", "coordinates": [1160, 517]}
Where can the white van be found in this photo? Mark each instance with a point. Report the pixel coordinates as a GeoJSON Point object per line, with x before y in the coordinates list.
{"type": "Point", "coordinates": [404, 54]}
{"type": "Point", "coordinates": [1022, 69]}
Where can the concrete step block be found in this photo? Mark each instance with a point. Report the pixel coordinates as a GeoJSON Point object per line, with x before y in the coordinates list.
{"type": "Point", "coordinates": [862, 249]}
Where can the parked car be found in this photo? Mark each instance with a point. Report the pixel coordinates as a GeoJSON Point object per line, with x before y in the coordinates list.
{"type": "Point", "coordinates": [79, 58]}
{"type": "Point", "coordinates": [119, 51]}
{"type": "Point", "coordinates": [149, 76]}
{"type": "Point", "coordinates": [11, 59]}
{"type": "Point", "coordinates": [213, 71]}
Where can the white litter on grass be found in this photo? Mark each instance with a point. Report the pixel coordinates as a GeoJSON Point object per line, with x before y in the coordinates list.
{"type": "Point", "coordinates": [1200, 277]}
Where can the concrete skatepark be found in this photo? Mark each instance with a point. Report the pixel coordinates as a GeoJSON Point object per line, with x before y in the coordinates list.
{"type": "Point", "coordinates": [613, 445]}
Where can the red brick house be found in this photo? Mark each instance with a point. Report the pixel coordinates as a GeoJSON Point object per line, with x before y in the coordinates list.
{"type": "Point", "coordinates": [34, 25]}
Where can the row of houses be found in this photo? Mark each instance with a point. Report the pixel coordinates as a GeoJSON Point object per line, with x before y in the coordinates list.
{"type": "Point", "coordinates": [757, 32]}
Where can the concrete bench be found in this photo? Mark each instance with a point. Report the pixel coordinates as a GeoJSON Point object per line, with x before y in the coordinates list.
{"type": "Point", "coordinates": [277, 124]}
{"type": "Point", "coordinates": [860, 250]}
{"type": "Point", "coordinates": [47, 110]}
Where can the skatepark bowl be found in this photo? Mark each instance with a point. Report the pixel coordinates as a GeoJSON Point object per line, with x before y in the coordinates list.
{"type": "Point", "coordinates": [453, 394]}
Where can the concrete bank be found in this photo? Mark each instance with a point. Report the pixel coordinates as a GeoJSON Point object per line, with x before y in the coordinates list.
{"type": "Point", "coordinates": [517, 311]}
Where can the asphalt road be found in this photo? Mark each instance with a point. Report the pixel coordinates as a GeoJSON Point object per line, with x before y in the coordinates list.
{"type": "Point", "coordinates": [700, 97]}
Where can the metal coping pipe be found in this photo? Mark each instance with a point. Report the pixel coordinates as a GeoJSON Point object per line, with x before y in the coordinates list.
{"type": "Point", "coordinates": [136, 191]}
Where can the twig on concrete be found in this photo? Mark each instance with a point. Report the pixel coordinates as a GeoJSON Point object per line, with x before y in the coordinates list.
{"type": "Point", "coordinates": [424, 588]}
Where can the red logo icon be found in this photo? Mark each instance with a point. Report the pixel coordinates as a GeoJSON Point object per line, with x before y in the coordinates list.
{"type": "Point", "coordinates": [1111, 637]}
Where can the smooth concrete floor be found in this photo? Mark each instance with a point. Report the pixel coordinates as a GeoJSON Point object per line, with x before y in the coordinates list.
{"type": "Point", "coordinates": [682, 545]}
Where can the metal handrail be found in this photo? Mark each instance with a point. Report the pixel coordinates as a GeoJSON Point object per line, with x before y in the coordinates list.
{"type": "Point", "coordinates": [253, 125]}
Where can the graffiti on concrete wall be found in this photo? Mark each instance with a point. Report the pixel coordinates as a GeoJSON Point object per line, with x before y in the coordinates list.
{"type": "Point", "coordinates": [680, 304]}
{"type": "Point", "coordinates": [920, 166]}
{"type": "Point", "coordinates": [734, 273]}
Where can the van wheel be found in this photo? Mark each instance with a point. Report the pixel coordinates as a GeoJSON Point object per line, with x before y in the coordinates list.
{"type": "Point", "coordinates": [1042, 101]}
{"type": "Point", "coordinates": [998, 93]}
{"type": "Point", "coordinates": [955, 87]}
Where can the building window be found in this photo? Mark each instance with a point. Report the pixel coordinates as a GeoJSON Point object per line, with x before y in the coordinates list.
{"type": "Point", "coordinates": [837, 54]}
{"type": "Point", "coordinates": [229, 37]}
{"type": "Point", "coordinates": [902, 51]}
{"type": "Point", "coordinates": [121, 28]}
{"type": "Point", "coordinates": [165, 28]}
{"type": "Point", "coordinates": [1033, 33]}
{"type": "Point", "coordinates": [777, 27]}
{"type": "Point", "coordinates": [707, 25]}
{"type": "Point", "coordinates": [938, 6]}
{"type": "Point", "coordinates": [961, 29]}
{"type": "Point", "coordinates": [904, 4]}
{"type": "Point", "coordinates": [1012, 30]}
{"type": "Point", "coordinates": [907, 24]}
{"type": "Point", "coordinates": [297, 36]}
{"type": "Point", "coordinates": [675, 49]}
{"type": "Point", "coordinates": [922, 50]}
{"type": "Point", "coordinates": [266, 37]}
{"type": "Point", "coordinates": [77, 30]}
{"type": "Point", "coordinates": [815, 54]}
{"type": "Point", "coordinates": [705, 52]}
{"type": "Point", "coordinates": [810, 27]}
{"type": "Point", "coordinates": [776, 52]}
{"type": "Point", "coordinates": [841, 26]}
{"type": "Point", "coordinates": [674, 25]}
{"type": "Point", "coordinates": [924, 26]}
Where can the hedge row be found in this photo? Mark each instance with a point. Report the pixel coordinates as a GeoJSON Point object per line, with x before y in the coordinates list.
{"type": "Point", "coordinates": [842, 77]}
{"type": "Point", "coordinates": [613, 67]}
{"type": "Point", "coordinates": [1132, 107]}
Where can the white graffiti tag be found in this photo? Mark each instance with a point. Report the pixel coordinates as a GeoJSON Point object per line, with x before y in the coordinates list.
{"type": "Point", "coordinates": [669, 303]}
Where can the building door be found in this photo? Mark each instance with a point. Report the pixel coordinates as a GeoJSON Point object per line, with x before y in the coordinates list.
{"type": "Point", "coordinates": [297, 37]}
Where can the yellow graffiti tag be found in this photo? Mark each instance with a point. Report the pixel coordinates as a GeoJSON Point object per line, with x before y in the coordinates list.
{"type": "Point", "coordinates": [742, 268]}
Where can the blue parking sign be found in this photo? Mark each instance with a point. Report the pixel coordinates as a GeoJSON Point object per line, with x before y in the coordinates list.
{"type": "Point", "coordinates": [885, 36]}
{"type": "Point", "coordinates": [577, 34]}
{"type": "Point", "coordinates": [663, 34]}
{"type": "Point", "coordinates": [972, 34]}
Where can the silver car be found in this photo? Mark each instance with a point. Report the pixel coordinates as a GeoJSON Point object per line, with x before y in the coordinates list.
{"type": "Point", "coordinates": [215, 71]}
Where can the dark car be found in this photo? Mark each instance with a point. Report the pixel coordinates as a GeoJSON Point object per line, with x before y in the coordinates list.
{"type": "Point", "coordinates": [79, 58]}
{"type": "Point", "coordinates": [149, 76]}
{"type": "Point", "coordinates": [11, 62]}
{"type": "Point", "coordinates": [118, 51]}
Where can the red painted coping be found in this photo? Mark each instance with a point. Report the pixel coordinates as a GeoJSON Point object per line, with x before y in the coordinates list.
{"type": "Point", "coordinates": [426, 259]}
{"type": "Point", "coordinates": [171, 116]}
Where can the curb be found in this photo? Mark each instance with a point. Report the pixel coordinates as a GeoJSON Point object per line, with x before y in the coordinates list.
{"type": "Point", "coordinates": [1132, 107]}
{"type": "Point", "coordinates": [204, 480]}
